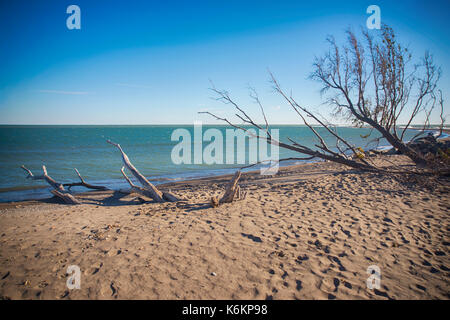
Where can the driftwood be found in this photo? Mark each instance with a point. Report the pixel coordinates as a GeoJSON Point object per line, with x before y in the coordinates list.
{"type": "Point", "coordinates": [135, 188]}
{"type": "Point", "coordinates": [232, 192]}
{"type": "Point", "coordinates": [168, 196]}
{"type": "Point", "coordinates": [83, 184]}
{"type": "Point", "coordinates": [149, 188]}
{"type": "Point", "coordinates": [232, 189]}
{"type": "Point", "coordinates": [46, 177]}
{"type": "Point", "coordinates": [66, 197]}
{"type": "Point", "coordinates": [58, 188]}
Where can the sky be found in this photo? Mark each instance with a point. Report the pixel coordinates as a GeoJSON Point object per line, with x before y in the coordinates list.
{"type": "Point", "coordinates": [152, 62]}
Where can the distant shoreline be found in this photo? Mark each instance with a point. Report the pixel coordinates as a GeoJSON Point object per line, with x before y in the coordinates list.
{"type": "Point", "coordinates": [413, 127]}
{"type": "Point", "coordinates": [161, 182]}
{"type": "Point", "coordinates": [20, 193]}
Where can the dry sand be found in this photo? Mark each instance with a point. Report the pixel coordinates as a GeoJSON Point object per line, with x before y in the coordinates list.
{"type": "Point", "coordinates": [308, 233]}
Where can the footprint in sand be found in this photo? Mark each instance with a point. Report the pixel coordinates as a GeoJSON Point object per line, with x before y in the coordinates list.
{"type": "Point", "coordinates": [421, 287]}
{"type": "Point", "coordinates": [113, 289]}
{"type": "Point", "coordinates": [300, 259]}
{"type": "Point", "coordinates": [444, 268]}
{"type": "Point", "coordinates": [338, 261]}
{"type": "Point", "coordinates": [252, 237]}
{"type": "Point", "coordinates": [381, 294]}
{"type": "Point", "coordinates": [298, 285]}
{"type": "Point", "coordinates": [336, 284]}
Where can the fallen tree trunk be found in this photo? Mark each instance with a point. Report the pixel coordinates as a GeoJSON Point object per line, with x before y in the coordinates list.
{"type": "Point", "coordinates": [46, 177]}
{"type": "Point", "coordinates": [135, 188]}
{"type": "Point", "coordinates": [66, 197]}
{"type": "Point", "coordinates": [144, 192]}
{"type": "Point", "coordinates": [58, 188]}
{"type": "Point", "coordinates": [83, 184]}
{"type": "Point", "coordinates": [152, 191]}
{"type": "Point", "coordinates": [232, 189]}
{"type": "Point", "coordinates": [232, 192]}
{"type": "Point", "coordinates": [170, 197]}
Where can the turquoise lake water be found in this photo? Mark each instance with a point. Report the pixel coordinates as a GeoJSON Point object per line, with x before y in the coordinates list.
{"type": "Point", "coordinates": [63, 148]}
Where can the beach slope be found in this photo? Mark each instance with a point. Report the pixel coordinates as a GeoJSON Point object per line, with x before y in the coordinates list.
{"type": "Point", "coordinates": [310, 232]}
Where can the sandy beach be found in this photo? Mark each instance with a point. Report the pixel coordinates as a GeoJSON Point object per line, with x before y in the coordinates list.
{"type": "Point", "coordinates": [310, 232]}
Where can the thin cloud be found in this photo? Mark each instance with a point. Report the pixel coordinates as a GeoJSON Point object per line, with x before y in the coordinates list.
{"type": "Point", "coordinates": [64, 92]}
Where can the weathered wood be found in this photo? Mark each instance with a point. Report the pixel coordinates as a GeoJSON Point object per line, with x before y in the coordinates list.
{"type": "Point", "coordinates": [136, 189]}
{"type": "Point", "coordinates": [233, 191]}
{"type": "Point", "coordinates": [66, 197]}
{"type": "Point", "coordinates": [242, 194]}
{"type": "Point", "coordinates": [214, 202]}
{"type": "Point", "coordinates": [58, 187]}
{"type": "Point", "coordinates": [83, 184]}
{"type": "Point", "coordinates": [46, 177]}
{"type": "Point", "coordinates": [170, 197]}
{"type": "Point", "coordinates": [154, 193]}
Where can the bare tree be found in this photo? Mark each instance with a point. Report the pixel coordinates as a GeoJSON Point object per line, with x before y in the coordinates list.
{"type": "Point", "coordinates": [373, 83]}
{"type": "Point", "coordinates": [370, 82]}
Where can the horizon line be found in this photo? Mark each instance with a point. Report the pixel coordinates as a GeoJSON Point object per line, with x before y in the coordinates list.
{"type": "Point", "coordinates": [191, 124]}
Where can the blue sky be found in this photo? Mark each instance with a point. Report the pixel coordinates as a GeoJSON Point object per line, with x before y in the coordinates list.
{"type": "Point", "coordinates": [149, 62]}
